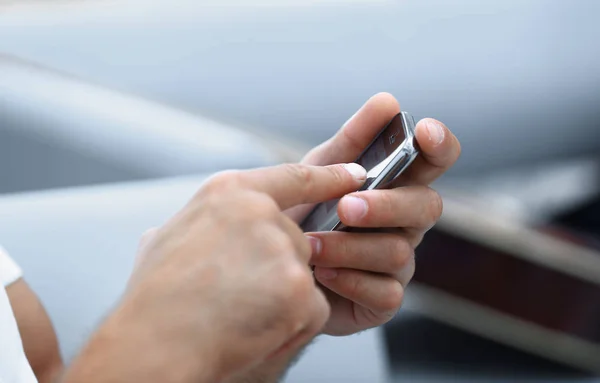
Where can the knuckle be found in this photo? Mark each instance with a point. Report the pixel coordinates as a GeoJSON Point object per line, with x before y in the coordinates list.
{"type": "Point", "coordinates": [339, 175]}
{"type": "Point", "coordinates": [148, 235]}
{"type": "Point", "coordinates": [325, 310]}
{"type": "Point", "coordinates": [435, 207]}
{"type": "Point", "coordinates": [214, 205]}
{"type": "Point", "coordinates": [356, 285]}
{"type": "Point", "coordinates": [341, 248]}
{"type": "Point", "coordinates": [229, 207]}
{"type": "Point", "coordinates": [321, 314]}
{"type": "Point", "coordinates": [299, 280]}
{"type": "Point", "coordinates": [258, 205]}
{"type": "Point", "coordinates": [301, 174]}
{"type": "Point", "coordinates": [292, 293]}
{"type": "Point", "coordinates": [391, 302]}
{"type": "Point", "coordinates": [387, 206]}
{"type": "Point", "coordinates": [405, 275]}
{"type": "Point", "coordinates": [220, 182]}
{"type": "Point", "coordinates": [400, 254]}
{"type": "Point", "coordinates": [274, 240]}
{"type": "Point", "coordinates": [302, 243]}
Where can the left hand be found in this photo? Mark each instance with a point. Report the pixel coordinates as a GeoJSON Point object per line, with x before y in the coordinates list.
{"type": "Point", "coordinates": [364, 274]}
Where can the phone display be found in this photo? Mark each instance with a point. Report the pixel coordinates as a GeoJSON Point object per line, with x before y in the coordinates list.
{"type": "Point", "coordinates": [392, 151]}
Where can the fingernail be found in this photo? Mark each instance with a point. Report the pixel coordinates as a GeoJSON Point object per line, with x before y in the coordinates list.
{"type": "Point", "coordinates": [356, 171]}
{"type": "Point", "coordinates": [355, 208]}
{"type": "Point", "coordinates": [325, 273]}
{"type": "Point", "coordinates": [315, 245]}
{"type": "Point", "coordinates": [436, 132]}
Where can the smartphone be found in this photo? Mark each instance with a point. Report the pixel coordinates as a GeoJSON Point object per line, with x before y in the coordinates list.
{"type": "Point", "coordinates": [386, 157]}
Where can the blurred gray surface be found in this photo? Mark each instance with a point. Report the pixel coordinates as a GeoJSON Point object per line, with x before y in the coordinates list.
{"type": "Point", "coordinates": [77, 247]}
{"type": "Point", "coordinates": [515, 79]}
{"type": "Point", "coordinates": [58, 131]}
{"type": "Point", "coordinates": [27, 163]}
{"type": "Point", "coordinates": [421, 350]}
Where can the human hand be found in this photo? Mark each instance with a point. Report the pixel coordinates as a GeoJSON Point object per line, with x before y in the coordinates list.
{"type": "Point", "coordinates": [225, 284]}
{"type": "Point", "coordinates": [364, 273]}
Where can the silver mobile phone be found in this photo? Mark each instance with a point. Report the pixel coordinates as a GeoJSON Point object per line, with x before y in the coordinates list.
{"type": "Point", "coordinates": [388, 155]}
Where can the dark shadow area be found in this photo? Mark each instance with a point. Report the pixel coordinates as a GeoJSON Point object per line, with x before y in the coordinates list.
{"type": "Point", "coordinates": [418, 346]}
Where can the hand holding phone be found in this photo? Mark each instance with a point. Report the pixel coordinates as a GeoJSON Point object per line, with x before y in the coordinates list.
{"type": "Point", "coordinates": [386, 157]}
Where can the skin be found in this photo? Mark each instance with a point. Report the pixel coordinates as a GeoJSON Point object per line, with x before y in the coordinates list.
{"type": "Point", "coordinates": [37, 334]}
{"type": "Point", "coordinates": [362, 275]}
{"type": "Point", "coordinates": [191, 275]}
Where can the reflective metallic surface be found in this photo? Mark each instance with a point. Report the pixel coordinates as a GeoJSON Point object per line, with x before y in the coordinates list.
{"type": "Point", "coordinates": [396, 157]}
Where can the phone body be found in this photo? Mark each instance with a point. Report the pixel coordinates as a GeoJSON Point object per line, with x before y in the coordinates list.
{"type": "Point", "coordinates": [387, 156]}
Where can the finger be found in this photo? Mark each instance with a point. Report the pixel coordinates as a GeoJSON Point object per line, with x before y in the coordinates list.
{"type": "Point", "coordinates": [405, 275]}
{"type": "Point", "coordinates": [439, 150]}
{"type": "Point", "coordinates": [354, 136]}
{"type": "Point", "coordinates": [301, 242]}
{"type": "Point", "coordinates": [378, 293]}
{"type": "Point", "coordinates": [295, 184]}
{"type": "Point", "coordinates": [407, 207]}
{"type": "Point", "coordinates": [318, 313]}
{"type": "Point", "coordinates": [376, 252]}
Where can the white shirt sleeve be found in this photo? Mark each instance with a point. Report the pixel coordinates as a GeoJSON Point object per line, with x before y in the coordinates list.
{"type": "Point", "coordinates": [14, 367]}
{"type": "Point", "coordinates": [9, 270]}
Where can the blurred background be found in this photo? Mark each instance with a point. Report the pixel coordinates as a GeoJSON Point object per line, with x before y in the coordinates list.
{"type": "Point", "coordinates": [116, 110]}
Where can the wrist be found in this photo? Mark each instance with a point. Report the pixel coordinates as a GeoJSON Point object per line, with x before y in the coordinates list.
{"type": "Point", "coordinates": [271, 371]}
{"type": "Point", "coordinates": [127, 348]}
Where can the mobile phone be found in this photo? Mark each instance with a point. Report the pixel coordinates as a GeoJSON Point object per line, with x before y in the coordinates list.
{"type": "Point", "coordinates": [386, 157]}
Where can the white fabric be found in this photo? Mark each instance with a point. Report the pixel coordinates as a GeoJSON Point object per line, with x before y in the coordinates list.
{"type": "Point", "coordinates": [14, 367]}
{"type": "Point", "coordinates": [9, 271]}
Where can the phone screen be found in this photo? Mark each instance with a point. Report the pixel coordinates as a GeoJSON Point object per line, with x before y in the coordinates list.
{"type": "Point", "coordinates": [384, 145]}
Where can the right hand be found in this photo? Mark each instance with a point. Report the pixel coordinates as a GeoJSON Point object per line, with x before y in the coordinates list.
{"type": "Point", "coordinates": [225, 284]}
